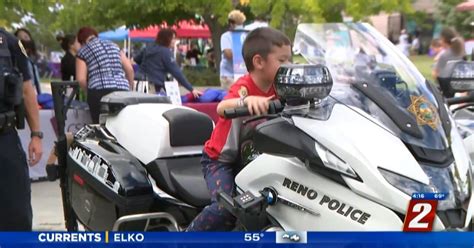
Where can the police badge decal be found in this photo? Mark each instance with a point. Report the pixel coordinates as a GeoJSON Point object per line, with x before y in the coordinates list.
{"type": "Point", "coordinates": [424, 111]}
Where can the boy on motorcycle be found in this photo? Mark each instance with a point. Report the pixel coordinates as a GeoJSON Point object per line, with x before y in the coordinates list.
{"type": "Point", "coordinates": [264, 50]}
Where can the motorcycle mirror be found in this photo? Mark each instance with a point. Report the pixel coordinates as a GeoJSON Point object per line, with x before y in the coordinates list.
{"type": "Point", "coordinates": [462, 78]}
{"type": "Point", "coordinates": [303, 82]}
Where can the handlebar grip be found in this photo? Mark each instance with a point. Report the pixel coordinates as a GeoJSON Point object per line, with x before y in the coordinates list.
{"type": "Point", "coordinates": [274, 107]}
{"type": "Point", "coordinates": [236, 112]}
{"type": "Point", "coordinates": [462, 99]}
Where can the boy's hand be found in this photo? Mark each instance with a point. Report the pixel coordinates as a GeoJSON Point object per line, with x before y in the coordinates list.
{"type": "Point", "coordinates": [258, 105]}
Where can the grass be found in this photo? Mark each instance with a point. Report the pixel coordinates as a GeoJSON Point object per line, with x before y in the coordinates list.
{"type": "Point", "coordinates": [424, 64]}
{"type": "Point", "coordinates": [204, 77]}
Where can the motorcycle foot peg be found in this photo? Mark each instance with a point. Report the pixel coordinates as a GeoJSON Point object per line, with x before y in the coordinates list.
{"type": "Point", "coordinates": [52, 172]}
{"type": "Point", "coordinates": [225, 199]}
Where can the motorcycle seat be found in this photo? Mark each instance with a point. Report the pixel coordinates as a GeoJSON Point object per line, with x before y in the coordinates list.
{"type": "Point", "coordinates": [114, 102]}
{"type": "Point", "coordinates": [188, 127]}
{"type": "Point", "coordinates": [182, 178]}
{"type": "Point", "coordinates": [189, 182]}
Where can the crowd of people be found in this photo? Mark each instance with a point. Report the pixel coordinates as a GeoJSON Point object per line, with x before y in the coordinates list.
{"type": "Point", "coordinates": [101, 67]}
{"type": "Point", "coordinates": [409, 44]}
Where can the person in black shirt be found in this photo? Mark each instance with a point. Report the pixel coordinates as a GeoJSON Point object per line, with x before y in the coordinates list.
{"type": "Point", "coordinates": [193, 54]}
{"type": "Point", "coordinates": [211, 58]}
{"type": "Point", "coordinates": [15, 187]}
{"type": "Point", "coordinates": [68, 63]}
{"type": "Point", "coordinates": [157, 60]}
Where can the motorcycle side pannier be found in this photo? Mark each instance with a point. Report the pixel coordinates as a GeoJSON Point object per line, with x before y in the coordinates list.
{"type": "Point", "coordinates": [105, 183]}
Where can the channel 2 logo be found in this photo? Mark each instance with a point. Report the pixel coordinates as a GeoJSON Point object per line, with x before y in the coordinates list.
{"type": "Point", "coordinates": [422, 211]}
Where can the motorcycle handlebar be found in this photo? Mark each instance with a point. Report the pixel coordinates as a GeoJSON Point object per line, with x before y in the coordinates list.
{"type": "Point", "coordinates": [274, 107]}
{"type": "Point", "coordinates": [461, 99]}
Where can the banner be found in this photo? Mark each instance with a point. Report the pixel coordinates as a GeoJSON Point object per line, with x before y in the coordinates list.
{"type": "Point", "coordinates": [235, 239]}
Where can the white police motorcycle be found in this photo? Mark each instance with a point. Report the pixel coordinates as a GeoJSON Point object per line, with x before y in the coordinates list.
{"type": "Point", "coordinates": [354, 134]}
{"type": "Point", "coordinates": [383, 134]}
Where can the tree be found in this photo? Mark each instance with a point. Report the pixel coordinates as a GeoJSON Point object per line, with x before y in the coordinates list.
{"type": "Point", "coordinates": [142, 13]}
{"type": "Point", "coordinates": [68, 15]}
{"type": "Point", "coordinates": [38, 16]}
{"type": "Point", "coordinates": [10, 13]}
{"type": "Point", "coordinates": [286, 15]}
{"type": "Point", "coordinates": [461, 21]}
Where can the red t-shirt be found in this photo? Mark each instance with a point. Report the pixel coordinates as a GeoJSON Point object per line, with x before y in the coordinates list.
{"type": "Point", "coordinates": [224, 142]}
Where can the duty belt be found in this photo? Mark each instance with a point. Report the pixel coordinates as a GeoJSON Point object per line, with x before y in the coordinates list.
{"type": "Point", "coordinates": [7, 121]}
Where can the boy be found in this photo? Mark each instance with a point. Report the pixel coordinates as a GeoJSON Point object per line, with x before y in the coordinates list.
{"type": "Point", "coordinates": [264, 50]}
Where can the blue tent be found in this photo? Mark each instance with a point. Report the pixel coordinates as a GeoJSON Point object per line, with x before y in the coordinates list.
{"type": "Point", "coordinates": [118, 34]}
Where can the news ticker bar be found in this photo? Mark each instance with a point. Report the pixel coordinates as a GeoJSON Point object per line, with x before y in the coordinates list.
{"type": "Point", "coordinates": [232, 239]}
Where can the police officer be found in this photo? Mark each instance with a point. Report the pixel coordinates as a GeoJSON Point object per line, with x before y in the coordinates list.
{"type": "Point", "coordinates": [16, 93]}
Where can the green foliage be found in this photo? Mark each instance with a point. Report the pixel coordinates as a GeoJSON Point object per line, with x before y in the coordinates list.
{"type": "Point", "coordinates": [285, 15]}
{"type": "Point", "coordinates": [106, 14]}
{"type": "Point", "coordinates": [10, 12]}
{"type": "Point", "coordinates": [202, 77]}
{"type": "Point", "coordinates": [76, 14]}
{"type": "Point", "coordinates": [361, 9]}
{"type": "Point", "coordinates": [44, 12]}
{"type": "Point", "coordinates": [138, 13]}
{"type": "Point", "coordinates": [67, 16]}
{"type": "Point", "coordinates": [421, 20]}
{"type": "Point", "coordinates": [461, 21]}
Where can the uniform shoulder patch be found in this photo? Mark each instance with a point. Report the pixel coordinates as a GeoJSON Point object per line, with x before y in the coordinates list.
{"type": "Point", "coordinates": [243, 92]}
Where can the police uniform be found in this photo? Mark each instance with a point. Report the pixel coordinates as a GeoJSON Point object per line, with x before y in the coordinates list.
{"type": "Point", "coordinates": [15, 189]}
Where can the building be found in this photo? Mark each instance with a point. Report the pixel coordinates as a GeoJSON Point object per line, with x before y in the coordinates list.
{"type": "Point", "coordinates": [391, 24]}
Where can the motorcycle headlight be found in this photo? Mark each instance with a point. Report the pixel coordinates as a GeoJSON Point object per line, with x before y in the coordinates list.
{"type": "Point", "coordinates": [405, 184]}
{"type": "Point", "coordinates": [333, 162]}
{"type": "Point", "coordinates": [442, 180]}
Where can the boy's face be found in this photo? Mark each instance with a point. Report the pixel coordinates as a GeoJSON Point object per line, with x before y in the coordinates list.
{"type": "Point", "coordinates": [278, 56]}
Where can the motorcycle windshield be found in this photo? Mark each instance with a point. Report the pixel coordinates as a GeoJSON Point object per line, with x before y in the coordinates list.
{"type": "Point", "coordinates": [371, 75]}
